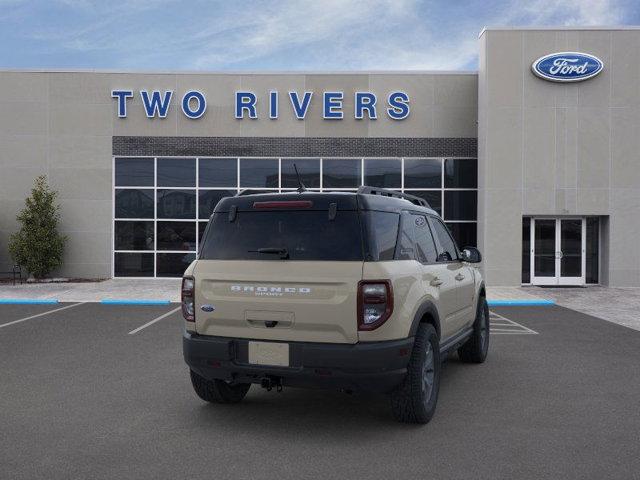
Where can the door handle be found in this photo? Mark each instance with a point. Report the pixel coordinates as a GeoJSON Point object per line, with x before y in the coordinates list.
{"type": "Point", "coordinates": [459, 277]}
{"type": "Point", "coordinates": [436, 282]}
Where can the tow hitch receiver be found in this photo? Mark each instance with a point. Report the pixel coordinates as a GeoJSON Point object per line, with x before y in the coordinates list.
{"type": "Point", "coordinates": [268, 383]}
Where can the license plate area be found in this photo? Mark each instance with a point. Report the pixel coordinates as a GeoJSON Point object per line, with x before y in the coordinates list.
{"type": "Point", "coordinates": [269, 353]}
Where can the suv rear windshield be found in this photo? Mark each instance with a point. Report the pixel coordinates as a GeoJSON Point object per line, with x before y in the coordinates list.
{"type": "Point", "coordinates": [303, 234]}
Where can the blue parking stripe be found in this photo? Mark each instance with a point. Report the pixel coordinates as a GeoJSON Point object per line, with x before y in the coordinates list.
{"type": "Point", "coordinates": [114, 301]}
{"type": "Point", "coordinates": [28, 301]}
{"type": "Point", "coordinates": [520, 303]}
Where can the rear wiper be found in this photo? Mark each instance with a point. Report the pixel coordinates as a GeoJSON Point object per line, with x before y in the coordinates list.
{"type": "Point", "coordinates": [283, 252]}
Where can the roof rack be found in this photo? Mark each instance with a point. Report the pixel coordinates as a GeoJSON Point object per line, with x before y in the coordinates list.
{"type": "Point", "coordinates": [250, 191]}
{"type": "Point", "coordinates": [383, 192]}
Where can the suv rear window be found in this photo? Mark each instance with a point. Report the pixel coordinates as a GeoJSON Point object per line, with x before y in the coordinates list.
{"type": "Point", "coordinates": [305, 234]}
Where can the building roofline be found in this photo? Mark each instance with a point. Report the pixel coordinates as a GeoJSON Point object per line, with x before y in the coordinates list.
{"type": "Point", "coordinates": [238, 72]}
{"type": "Point", "coordinates": [562, 27]}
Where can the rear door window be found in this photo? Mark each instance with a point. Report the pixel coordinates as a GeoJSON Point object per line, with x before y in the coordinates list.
{"type": "Point", "coordinates": [447, 249]}
{"type": "Point", "coordinates": [305, 234]}
{"type": "Point", "coordinates": [425, 246]}
{"type": "Point", "coordinates": [406, 240]}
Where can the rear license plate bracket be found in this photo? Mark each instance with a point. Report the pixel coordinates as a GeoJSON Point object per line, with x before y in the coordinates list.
{"type": "Point", "coordinates": [269, 353]}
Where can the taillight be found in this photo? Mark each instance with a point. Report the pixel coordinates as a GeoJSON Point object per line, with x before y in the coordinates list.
{"type": "Point", "coordinates": [375, 303]}
{"type": "Point", "coordinates": [188, 299]}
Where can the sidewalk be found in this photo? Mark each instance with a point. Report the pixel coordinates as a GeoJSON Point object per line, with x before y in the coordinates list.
{"type": "Point", "coordinates": [114, 289]}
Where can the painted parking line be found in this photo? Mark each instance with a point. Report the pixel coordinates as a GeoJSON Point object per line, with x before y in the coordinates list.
{"type": "Point", "coordinates": [165, 315]}
{"type": "Point", "coordinates": [40, 314]}
{"type": "Point", "coordinates": [503, 326]}
{"type": "Point", "coordinates": [116, 301]}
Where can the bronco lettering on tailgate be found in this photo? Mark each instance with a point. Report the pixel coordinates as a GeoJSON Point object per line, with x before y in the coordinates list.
{"type": "Point", "coordinates": [273, 291]}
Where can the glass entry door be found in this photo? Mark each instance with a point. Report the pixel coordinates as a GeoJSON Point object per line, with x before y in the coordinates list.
{"type": "Point", "coordinates": [558, 251]}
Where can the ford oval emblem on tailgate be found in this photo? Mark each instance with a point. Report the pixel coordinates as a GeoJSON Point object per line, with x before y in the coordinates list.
{"type": "Point", "coordinates": [207, 308]}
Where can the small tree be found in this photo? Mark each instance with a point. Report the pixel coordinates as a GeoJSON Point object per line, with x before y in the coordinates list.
{"type": "Point", "coordinates": [38, 246]}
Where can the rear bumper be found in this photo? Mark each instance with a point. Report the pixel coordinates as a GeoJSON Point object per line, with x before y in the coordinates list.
{"type": "Point", "coordinates": [373, 367]}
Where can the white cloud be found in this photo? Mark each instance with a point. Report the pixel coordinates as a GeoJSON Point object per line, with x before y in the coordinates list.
{"type": "Point", "coordinates": [571, 12]}
{"type": "Point", "coordinates": [383, 35]}
{"type": "Point", "coordinates": [300, 34]}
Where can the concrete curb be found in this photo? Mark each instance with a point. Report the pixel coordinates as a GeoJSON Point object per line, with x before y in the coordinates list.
{"type": "Point", "coordinates": [28, 301]}
{"type": "Point", "coordinates": [520, 303]}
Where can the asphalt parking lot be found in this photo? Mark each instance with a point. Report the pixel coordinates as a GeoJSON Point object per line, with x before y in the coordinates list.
{"type": "Point", "coordinates": [82, 397]}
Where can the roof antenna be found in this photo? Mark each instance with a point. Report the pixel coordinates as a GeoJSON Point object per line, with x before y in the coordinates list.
{"type": "Point", "coordinates": [301, 187]}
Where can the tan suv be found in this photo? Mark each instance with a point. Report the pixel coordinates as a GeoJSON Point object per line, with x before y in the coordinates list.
{"type": "Point", "coordinates": [358, 291]}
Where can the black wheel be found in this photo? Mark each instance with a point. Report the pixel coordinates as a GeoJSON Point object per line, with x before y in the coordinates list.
{"type": "Point", "coordinates": [476, 348]}
{"type": "Point", "coordinates": [415, 400]}
{"type": "Point", "coordinates": [218, 391]}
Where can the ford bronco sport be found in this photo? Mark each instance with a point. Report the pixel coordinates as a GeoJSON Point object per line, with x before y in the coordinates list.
{"type": "Point", "coordinates": [358, 291]}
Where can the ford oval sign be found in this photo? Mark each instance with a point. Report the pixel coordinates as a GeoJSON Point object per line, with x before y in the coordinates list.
{"type": "Point", "coordinates": [567, 66]}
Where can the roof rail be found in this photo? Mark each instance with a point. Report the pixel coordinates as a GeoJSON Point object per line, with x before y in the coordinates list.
{"type": "Point", "coordinates": [250, 191]}
{"type": "Point", "coordinates": [383, 192]}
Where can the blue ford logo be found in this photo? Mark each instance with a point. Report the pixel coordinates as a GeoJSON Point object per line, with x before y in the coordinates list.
{"type": "Point", "coordinates": [567, 66]}
{"type": "Point", "coordinates": [207, 308]}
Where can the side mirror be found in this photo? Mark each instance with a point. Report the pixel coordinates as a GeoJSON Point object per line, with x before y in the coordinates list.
{"type": "Point", "coordinates": [471, 255]}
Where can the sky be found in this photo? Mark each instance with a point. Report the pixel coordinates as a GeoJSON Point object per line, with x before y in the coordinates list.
{"type": "Point", "coordinates": [277, 35]}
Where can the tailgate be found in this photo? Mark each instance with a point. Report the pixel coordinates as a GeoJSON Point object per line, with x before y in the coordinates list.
{"type": "Point", "coordinates": [302, 301]}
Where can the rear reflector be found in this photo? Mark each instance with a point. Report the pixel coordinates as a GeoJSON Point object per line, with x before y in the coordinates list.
{"type": "Point", "coordinates": [284, 204]}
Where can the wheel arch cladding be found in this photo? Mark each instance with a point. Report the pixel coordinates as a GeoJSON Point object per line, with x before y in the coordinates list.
{"type": "Point", "coordinates": [427, 313]}
{"type": "Point", "coordinates": [482, 290]}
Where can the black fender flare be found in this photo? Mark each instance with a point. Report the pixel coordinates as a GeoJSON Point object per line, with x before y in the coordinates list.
{"type": "Point", "coordinates": [428, 307]}
{"type": "Point", "coordinates": [482, 291]}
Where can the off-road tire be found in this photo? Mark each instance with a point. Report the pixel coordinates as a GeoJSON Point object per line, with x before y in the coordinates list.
{"type": "Point", "coordinates": [218, 391]}
{"type": "Point", "coordinates": [476, 347]}
{"type": "Point", "coordinates": [414, 401]}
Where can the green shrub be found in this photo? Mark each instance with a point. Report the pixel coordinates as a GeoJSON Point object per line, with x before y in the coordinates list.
{"type": "Point", "coordinates": [38, 246]}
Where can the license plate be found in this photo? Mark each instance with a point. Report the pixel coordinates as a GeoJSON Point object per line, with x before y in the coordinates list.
{"type": "Point", "coordinates": [269, 353]}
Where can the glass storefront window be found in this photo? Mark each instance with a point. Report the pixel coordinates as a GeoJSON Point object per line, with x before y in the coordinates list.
{"type": "Point", "coordinates": [173, 264]}
{"type": "Point", "coordinates": [218, 172]}
{"type": "Point", "coordinates": [176, 235]}
{"type": "Point", "coordinates": [526, 250]}
{"type": "Point", "coordinates": [465, 233]}
{"type": "Point", "coordinates": [341, 173]}
{"type": "Point", "coordinates": [593, 247]}
{"type": "Point", "coordinates": [201, 228]}
{"type": "Point", "coordinates": [176, 203]}
{"type": "Point", "coordinates": [422, 173]}
{"type": "Point", "coordinates": [308, 168]}
{"type": "Point", "coordinates": [433, 198]}
{"type": "Point", "coordinates": [460, 173]}
{"type": "Point", "coordinates": [161, 204]}
{"type": "Point", "coordinates": [385, 173]}
{"type": "Point", "coordinates": [258, 173]}
{"type": "Point", "coordinates": [176, 172]}
{"type": "Point", "coordinates": [460, 205]}
{"type": "Point", "coordinates": [208, 199]}
{"type": "Point", "coordinates": [134, 203]}
{"type": "Point", "coordinates": [133, 264]}
{"type": "Point", "coordinates": [133, 235]}
{"type": "Point", "coordinates": [134, 172]}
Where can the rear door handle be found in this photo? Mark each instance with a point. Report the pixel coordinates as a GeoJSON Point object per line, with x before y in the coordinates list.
{"type": "Point", "coordinates": [459, 277]}
{"type": "Point", "coordinates": [436, 282]}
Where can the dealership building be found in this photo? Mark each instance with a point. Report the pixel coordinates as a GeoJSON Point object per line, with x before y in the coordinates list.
{"type": "Point", "coordinates": [534, 158]}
